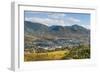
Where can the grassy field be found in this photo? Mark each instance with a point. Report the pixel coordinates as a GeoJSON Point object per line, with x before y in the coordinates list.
{"type": "Point", "coordinates": [56, 55]}
{"type": "Point", "coordinates": [80, 52]}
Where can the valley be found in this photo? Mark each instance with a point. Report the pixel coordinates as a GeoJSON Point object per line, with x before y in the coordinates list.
{"type": "Point", "coordinates": [55, 42]}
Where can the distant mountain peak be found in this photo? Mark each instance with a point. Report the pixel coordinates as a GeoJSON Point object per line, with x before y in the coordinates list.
{"type": "Point", "coordinates": [56, 27]}
{"type": "Point", "coordinates": [76, 25]}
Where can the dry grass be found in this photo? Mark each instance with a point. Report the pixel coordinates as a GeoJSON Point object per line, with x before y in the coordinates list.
{"type": "Point", "coordinates": [56, 55]}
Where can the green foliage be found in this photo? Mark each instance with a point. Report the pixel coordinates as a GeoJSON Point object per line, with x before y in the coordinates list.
{"type": "Point", "coordinates": [80, 52]}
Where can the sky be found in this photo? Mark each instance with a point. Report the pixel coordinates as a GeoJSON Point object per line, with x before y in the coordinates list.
{"type": "Point", "coordinates": [58, 18]}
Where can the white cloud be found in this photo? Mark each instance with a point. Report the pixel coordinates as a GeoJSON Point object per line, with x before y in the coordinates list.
{"type": "Point", "coordinates": [86, 26]}
{"type": "Point", "coordinates": [46, 21]}
{"type": "Point", "coordinates": [56, 15]}
{"type": "Point", "coordinates": [72, 20]}
{"type": "Point", "coordinates": [28, 19]}
{"type": "Point", "coordinates": [50, 21]}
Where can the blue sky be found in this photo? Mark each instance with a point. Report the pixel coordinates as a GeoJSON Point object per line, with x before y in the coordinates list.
{"type": "Point", "coordinates": [64, 19]}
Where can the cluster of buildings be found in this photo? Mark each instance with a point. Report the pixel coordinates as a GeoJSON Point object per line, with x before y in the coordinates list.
{"type": "Point", "coordinates": [53, 44]}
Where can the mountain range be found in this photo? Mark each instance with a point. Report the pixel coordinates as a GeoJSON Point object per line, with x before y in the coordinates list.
{"type": "Point", "coordinates": [41, 30]}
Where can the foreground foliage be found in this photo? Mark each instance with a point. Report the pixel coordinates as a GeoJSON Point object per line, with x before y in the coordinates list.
{"type": "Point", "coordinates": [79, 52]}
